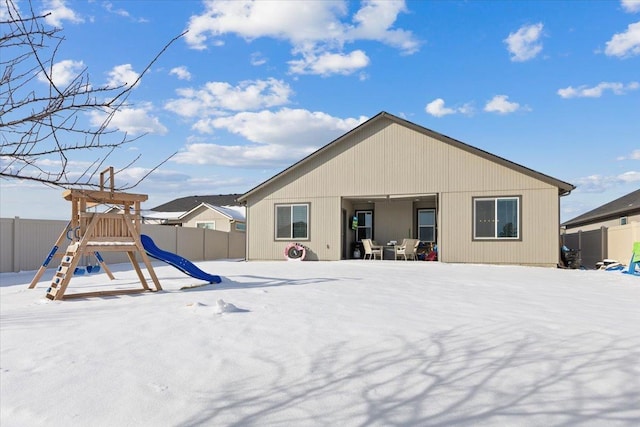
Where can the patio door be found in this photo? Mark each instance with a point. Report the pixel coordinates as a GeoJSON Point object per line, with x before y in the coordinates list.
{"type": "Point", "coordinates": [427, 225]}
{"type": "Point", "coordinates": [365, 225]}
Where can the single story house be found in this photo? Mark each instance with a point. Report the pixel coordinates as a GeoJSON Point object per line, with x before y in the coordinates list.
{"type": "Point", "coordinates": [606, 232]}
{"type": "Point", "coordinates": [230, 219]}
{"type": "Point", "coordinates": [216, 212]}
{"type": "Point", "coordinates": [390, 179]}
{"type": "Point", "coordinates": [621, 211]}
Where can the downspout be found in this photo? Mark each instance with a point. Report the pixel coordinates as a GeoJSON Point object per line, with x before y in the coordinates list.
{"type": "Point", "coordinates": [246, 232]}
{"type": "Point", "coordinates": [560, 236]}
{"type": "Point", "coordinates": [438, 227]}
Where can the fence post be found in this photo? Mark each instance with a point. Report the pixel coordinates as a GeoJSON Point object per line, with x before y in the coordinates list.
{"type": "Point", "coordinates": [16, 245]}
{"type": "Point", "coordinates": [580, 240]}
{"type": "Point", "coordinates": [604, 247]}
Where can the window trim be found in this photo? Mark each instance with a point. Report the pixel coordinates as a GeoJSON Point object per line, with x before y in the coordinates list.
{"type": "Point", "coordinates": [275, 222]}
{"type": "Point", "coordinates": [495, 237]}
{"type": "Point", "coordinates": [357, 211]}
{"type": "Point", "coordinates": [434, 226]}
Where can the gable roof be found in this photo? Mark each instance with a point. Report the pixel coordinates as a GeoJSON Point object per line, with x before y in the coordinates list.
{"type": "Point", "coordinates": [235, 213]}
{"type": "Point", "coordinates": [185, 204]}
{"type": "Point", "coordinates": [622, 206]}
{"type": "Point", "coordinates": [564, 188]}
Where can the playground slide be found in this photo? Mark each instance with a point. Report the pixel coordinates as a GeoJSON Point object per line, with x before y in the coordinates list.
{"type": "Point", "coordinates": [182, 264]}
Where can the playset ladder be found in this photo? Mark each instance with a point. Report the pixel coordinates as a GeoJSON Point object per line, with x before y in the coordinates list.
{"type": "Point", "coordinates": [63, 275]}
{"type": "Point", "coordinates": [55, 254]}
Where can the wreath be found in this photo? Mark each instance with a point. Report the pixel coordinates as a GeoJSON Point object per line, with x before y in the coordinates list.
{"type": "Point", "coordinates": [295, 252]}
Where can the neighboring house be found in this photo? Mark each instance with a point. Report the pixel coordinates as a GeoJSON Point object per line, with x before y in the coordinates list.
{"type": "Point", "coordinates": [401, 180]}
{"type": "Point", "coordinates": [230, 219]}
{"type": "Point", "coordinates": [621, 211]}
{"type": "Point", "coordinates": [218, 212]}
{"type": "Point", "coordinates": [606, 232]}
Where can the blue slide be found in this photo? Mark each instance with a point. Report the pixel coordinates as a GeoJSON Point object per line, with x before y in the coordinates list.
{"type": "Point", "coordinates": [182, 264]}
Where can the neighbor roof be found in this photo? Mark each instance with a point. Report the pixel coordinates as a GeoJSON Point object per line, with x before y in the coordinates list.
{"type": "Point", "coordinates": [236, 213]}
{"type": "Point", "coordinates": [622, 206]}
{"type": "Point", "coordinates": [564, 188]}
{"type": "Point", "coordinates": [185, 204]}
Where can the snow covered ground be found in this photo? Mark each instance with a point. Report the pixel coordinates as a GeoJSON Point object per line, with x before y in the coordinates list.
{"type": "Point", "coordinates": [349, 343]}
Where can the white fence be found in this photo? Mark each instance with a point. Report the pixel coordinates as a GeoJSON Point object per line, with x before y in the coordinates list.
{"type": "Point", "coordinates": [25, 243]}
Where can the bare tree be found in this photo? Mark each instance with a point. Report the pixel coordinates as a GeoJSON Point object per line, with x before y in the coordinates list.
{"type": "Point", "coordinates": [43, 131]}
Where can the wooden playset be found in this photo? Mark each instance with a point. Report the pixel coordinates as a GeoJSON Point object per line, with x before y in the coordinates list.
{"type": "Point", "coordinates": [91, 233]}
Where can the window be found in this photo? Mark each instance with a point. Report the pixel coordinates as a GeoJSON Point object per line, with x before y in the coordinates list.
{"type": "Point", "coordinates": [427, 225]}
{"type": "Point", "coordinates": [210, 225]}
{"type": "Point", "coordinates": [365, 225]}
{"type": "Point", "coordinates": [496, 218]}
{"type": "Point", "coordinates": [623, 220]}
{"type": "Point", "coordinates": [292, 221]}
{"type": "Point", "coordinates": [241, 226]}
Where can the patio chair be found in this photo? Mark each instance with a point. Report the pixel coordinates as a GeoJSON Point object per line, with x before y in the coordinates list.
{"type": "Point", "coordinates": [407, 249]}
{"type": "Point", "coordinates": [371, 250]}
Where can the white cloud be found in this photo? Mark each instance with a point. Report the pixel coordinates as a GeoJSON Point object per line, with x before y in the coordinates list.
{"type": "Point", "coordinates": [635, 155]}
{"type": "Point", "coordinates": [625, 44]}
{"type": "Point", "coordinates": [108, 6]}
{"type": "Point", "coordinates": [500, 104]}
{"type": "Point", "coordinates": [330, 63]}
{"type": "Point", "coordinates": [63, 72]}
{"type": "Point", "coordinates": [598, 90]}
{"type": "Point", "coordinates": [316, 30]}
{"type": "Point", "coordinates": [374, 21]}
{"type": "Point", "coordinates": [631, 6]}
{"type": "Point", "coordinates": [600, 183]}
{"type": "Point", "coordinates": [181, 72]}
{"type": "Point", "coordinates": [257, 59]}
{"type": "Point", "coordinates": [215, 97]}
{"type": "Point", "coordinates": [293, 127]}
{"type": "Point", "coordinates": [278, 138]}
{"type": "Point", "coordinates": [524, 44]}
{"type": "Point", "coordinates": [122, 75]}
{"type": "Point", "coordinates": [4, 12]}
{"type": "Point", "coordinates": [631, 176]}
{"type": "Point", "coordinates": [240, 155]}
{"type": "Point", "coordinates": [436, 108]}
{"type": "Point", "coordinates": [467, 109]}
{"type": "Point", "coordinates": [134, 121]}
{"type": "Point", "coordinates": [121, 12]}
{"type": "Point", "coordinates": [59, 12]}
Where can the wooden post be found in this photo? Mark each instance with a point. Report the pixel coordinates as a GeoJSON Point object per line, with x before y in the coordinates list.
{"type": "Point", "coordinates": [48, 259]}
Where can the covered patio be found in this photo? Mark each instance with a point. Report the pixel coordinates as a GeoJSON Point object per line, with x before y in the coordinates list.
{"type": "Point", "coordinates": [387, 219]}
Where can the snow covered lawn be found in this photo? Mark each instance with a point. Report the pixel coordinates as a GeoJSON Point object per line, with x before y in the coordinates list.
{"type": "Point", "coordinates": [349, 343]}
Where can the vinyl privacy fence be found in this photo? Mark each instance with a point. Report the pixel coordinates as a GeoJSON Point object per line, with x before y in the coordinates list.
{"type": "Point", "coordinates": [606, 242]}
{"type": "Point", "coordinates": [25, 243]}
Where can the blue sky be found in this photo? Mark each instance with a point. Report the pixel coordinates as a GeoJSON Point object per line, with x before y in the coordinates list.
{"type": "Point", "coordinates": [255, 86]}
